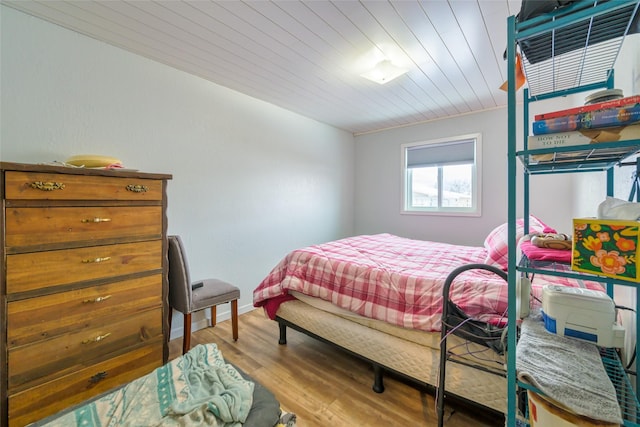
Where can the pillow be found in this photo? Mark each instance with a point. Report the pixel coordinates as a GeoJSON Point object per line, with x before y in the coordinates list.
{"type": "Point", "coordinates": [496, 242]}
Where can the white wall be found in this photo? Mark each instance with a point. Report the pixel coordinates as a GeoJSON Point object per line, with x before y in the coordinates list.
{"type": "Point", "coordinates": [379, 188]}
{"type": "Point", "coordinates": [251, 181]}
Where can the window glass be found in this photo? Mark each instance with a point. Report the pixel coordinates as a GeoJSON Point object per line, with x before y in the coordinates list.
{"type": "Point", "coordinates": [442, 176]}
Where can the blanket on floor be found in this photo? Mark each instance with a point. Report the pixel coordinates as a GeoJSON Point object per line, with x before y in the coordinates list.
{"type": "Point", "coordinates": [198, 388]}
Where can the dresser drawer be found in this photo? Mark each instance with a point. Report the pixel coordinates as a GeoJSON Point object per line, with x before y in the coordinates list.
{"type": "Point", "coordinates": [53, 186]}
{"type": "Point", "coordinates": [63, 354]}
{"type": "Point", "coordinates": [35, 319]}
{"type": "Point", "coordinates": [39, 270]}
{"type": "Point", "coordinates": [49, 398]}
{"type": "Point", "coordinates": [42, 226]}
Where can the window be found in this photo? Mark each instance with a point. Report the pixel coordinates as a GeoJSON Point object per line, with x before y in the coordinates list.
{"type": "Point", "coordinates": [442, 176]}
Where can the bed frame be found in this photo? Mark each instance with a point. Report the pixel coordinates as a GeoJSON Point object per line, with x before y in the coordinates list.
{"type": "Point", "coordinates": [477, 386]}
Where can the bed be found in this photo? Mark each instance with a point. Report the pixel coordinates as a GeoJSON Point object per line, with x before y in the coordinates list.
{"type": "Point", "coordinates": [196, 389]}
{"type": "Point", "coordinates": [379, 297]}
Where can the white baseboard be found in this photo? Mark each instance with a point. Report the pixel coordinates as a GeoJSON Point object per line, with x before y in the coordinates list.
{"type": "Point", "coordinates": [201, 319]}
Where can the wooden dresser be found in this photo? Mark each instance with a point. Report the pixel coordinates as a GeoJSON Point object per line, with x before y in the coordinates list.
{"type": "Point", "coordinates": [83, 289]}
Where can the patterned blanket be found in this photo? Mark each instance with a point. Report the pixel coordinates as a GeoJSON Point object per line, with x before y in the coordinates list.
{"type": "Point", "coordinates": [393, 279]}
{"type": "Point", "coordinates": [198, 388]}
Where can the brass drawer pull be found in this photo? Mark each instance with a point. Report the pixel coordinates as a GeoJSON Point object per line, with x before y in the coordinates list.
{"type": "Point", "coordinates": [137, 188]}
{"type": "Point", "coordinates": [96, 339]}
{"type": "Point", "coordinates": [87, 261]}
{"type": "Point", "coordinates": [98, 377]}
{"type": "Point", "coordinates": [47, 186]}
{"type": "Point", "coordinates": [84, 221]}
{"type": "Point", "coordinates": [98, 299]}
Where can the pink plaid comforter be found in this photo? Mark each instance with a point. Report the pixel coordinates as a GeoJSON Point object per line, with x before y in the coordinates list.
{"type": "Point", "coordinates": [390, 278]}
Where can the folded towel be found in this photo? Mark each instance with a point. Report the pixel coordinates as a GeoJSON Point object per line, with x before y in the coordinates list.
{"type": "Point", "coordinates": [566, 370]}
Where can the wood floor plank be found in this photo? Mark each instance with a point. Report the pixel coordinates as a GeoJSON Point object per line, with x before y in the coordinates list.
{"type": "Point", "coordinates": [324, 386]}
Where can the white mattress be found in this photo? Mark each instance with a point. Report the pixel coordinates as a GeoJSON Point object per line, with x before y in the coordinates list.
{"type": "Point", "coordinates": [412, 353]}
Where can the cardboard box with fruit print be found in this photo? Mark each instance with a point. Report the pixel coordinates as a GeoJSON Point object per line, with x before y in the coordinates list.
{"type": "Point", "coordinates": [606, 248]}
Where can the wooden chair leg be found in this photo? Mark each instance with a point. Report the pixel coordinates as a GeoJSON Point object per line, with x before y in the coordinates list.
{"type": "Point", "coordinates": [234, 319]}
{"type": "Point", "coordinates": [186, 339]}
{"type": "Point", "coordinates": [214, 315]}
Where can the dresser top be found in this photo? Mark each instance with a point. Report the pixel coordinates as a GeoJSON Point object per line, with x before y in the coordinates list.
{"type": "Point", "coordinates": [26, 167]}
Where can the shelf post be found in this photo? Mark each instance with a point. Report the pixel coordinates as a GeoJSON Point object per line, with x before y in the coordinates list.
{"type": "Point", "coordinates": [511, 222]}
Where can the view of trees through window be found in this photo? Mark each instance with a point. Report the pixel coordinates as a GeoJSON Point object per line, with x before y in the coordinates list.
{"type": "Point", "coordinates": [456, 191]}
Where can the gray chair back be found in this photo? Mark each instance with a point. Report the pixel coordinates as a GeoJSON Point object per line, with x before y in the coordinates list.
{"type": "Point", "coordinates": [179, 279]}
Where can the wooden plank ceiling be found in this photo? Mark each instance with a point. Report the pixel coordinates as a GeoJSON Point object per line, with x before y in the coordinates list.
{"type": "Point", "coordinates": [307, 56]}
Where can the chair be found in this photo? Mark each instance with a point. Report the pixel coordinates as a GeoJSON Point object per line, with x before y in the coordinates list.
{"type": "Point", "coordinates": [188, 297]}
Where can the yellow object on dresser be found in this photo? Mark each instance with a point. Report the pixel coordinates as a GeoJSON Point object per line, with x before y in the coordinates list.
{"type": "Point", "coordinates": [92, 161]}
{"type": "Point", "coordinates": [84, 288]}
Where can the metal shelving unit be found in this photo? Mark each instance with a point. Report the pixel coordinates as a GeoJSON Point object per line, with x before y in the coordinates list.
{"type": "Point", "coordinates": [570, 50]}
{"type": "Point", "coordinates": [578, 158]}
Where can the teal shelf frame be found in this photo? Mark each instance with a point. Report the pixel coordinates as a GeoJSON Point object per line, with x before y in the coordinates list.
{"type": "Point", "coordinates": [569, 72]}
{"type": "Point", "coordinates": [626, 394]}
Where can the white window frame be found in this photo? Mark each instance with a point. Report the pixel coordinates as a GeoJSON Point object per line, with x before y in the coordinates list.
{"type": "Point", "coordinates": [476, 184]}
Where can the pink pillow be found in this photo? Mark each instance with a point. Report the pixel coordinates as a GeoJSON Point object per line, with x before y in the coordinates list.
{"type": "Point", "coordinates": [496, 242]}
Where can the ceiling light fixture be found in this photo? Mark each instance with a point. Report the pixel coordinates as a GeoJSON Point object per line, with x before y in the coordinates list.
{"type": "Point", "coordinates": [384, 71]}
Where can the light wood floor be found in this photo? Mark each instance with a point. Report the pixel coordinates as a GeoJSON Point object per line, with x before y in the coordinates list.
{"type": "Point", "coordinates": [323, 386]}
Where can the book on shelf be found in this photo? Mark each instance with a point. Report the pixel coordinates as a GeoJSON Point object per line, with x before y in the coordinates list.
{"type": "Point", "coordinates": [614, 103]}
{"type": "Point", "coordinates": [584, 136]}
{"type": "Point", "coordinates": [609, 117]}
